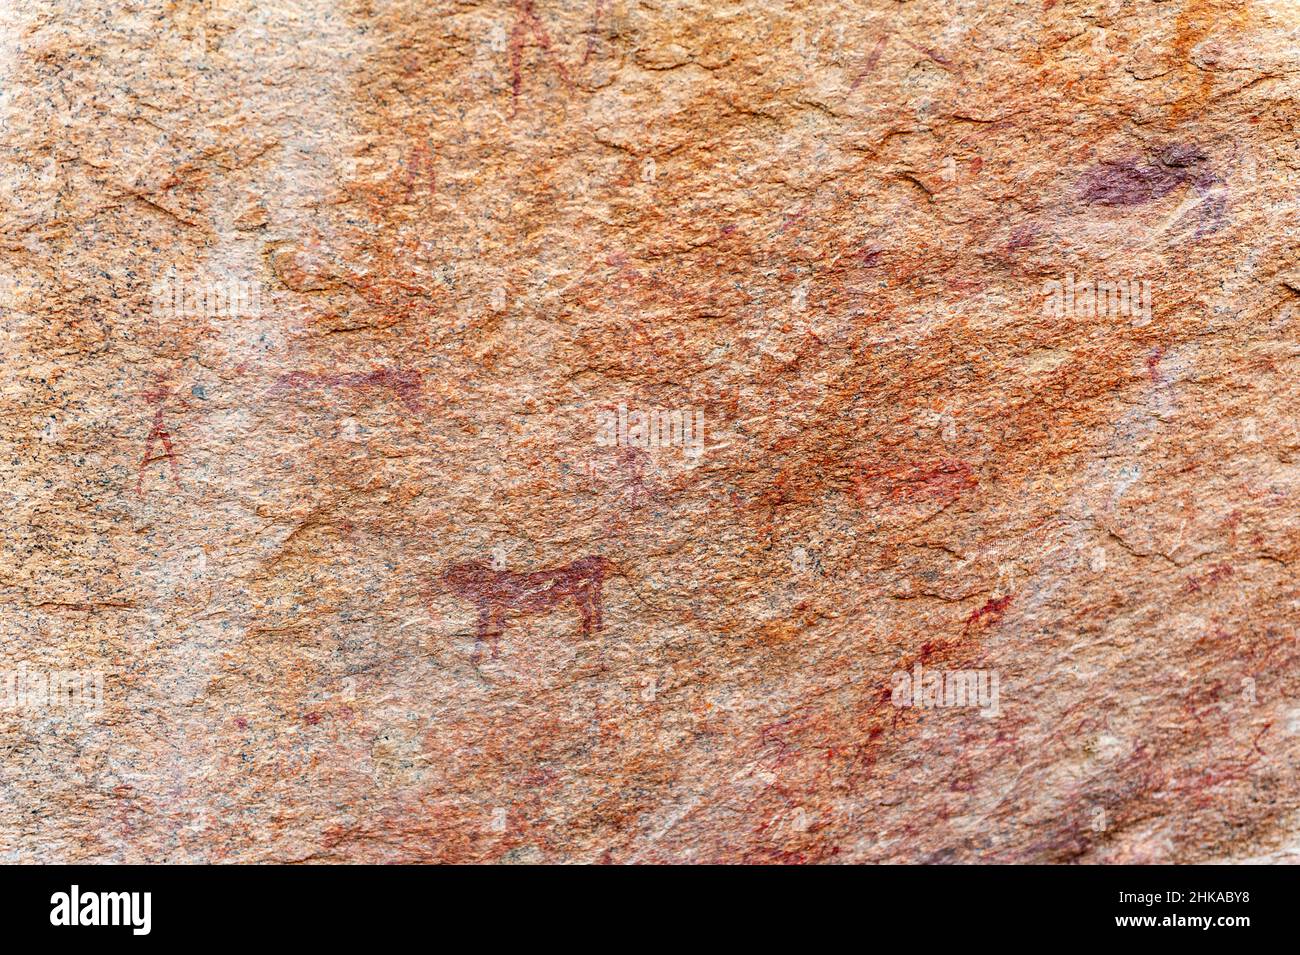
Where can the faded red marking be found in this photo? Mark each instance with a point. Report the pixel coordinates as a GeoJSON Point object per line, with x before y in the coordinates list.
{"type": "Point", "coordinates": [872, 58]}
{"type": "Point", "coordinates": [792, 219]}
{"type": "Point", "coordinates": [1255, 742]}
{"type": "Point", "coordinates": [794, 748]}
{"type": "Point", "coordinates": [527, 20]}
{"type": "Point", "coordinates": [595, 26]}
{"type": "Point", "coordinates": [420, 171]}
{"type": "Point", "coordinates": [1153, 360]}
{"type": "Point", "coordinates": [129, 811]}
{"type": "Point", "coordinates": [871, 256]}
{"type": "Point", "coordinates": [993, 610]}
{"type": "Point", "coordinates": [158, 434]}
{"type": "Point", "coordinates": [1223, 772]}
{"type": "Point", "coordinates": [406, 383]}
{"type": "Point", "coordinates": [333, 836]}
{"type": "Point", "coordinates": [1233, 522]}
{"type": "Point", "coordinates": [631, 463]}
{"type": "Point", "coordinates": [943, 61]}
{"type": "Point", "coordinates": [494, 592]}
{"type": "Point", "coordinates": [1022, 237]}
{"type": "Point", "coordinates": [1216, 575]}
{"type": "Point", "coordinates": [906, 484]}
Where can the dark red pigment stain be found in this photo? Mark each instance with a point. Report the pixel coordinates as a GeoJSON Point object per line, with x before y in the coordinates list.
{"type": "Point", "coordinates": [494, 592]}
{"type": "Point", "coordinates": [993, 610]}
{"type": "Point", "coordinates": [1153, 362]}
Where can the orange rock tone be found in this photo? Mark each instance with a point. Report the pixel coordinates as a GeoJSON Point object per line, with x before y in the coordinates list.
{"type": "Point", "coordinates": [614, 431]}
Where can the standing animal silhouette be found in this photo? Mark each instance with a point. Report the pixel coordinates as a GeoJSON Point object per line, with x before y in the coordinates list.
{"type": "Point", "coordinates": [496, 592]}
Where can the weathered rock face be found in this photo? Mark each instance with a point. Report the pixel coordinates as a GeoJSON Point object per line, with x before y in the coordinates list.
{"type": "Point", "coordinates": [588, 430]}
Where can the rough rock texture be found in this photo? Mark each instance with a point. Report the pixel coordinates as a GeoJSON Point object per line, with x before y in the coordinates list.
{"type": "Point", "coordinates": [372, 570]}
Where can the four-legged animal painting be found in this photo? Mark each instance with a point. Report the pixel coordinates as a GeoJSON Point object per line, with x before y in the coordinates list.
{"type": "Point", "coordinates": [497, 592]}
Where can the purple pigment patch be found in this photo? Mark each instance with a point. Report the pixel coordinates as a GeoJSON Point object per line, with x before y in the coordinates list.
{"type": "Point", "coordinates": [1132, 181]}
